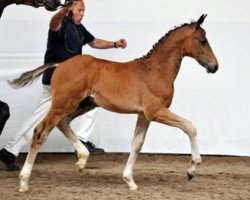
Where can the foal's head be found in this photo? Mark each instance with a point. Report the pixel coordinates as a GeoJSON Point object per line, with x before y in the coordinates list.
{"type": "Point", "coordinates": [197, 46]}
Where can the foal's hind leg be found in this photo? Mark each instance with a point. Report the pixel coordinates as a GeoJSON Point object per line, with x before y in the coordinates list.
{"type": "Point", "coordinates": [138, 140]}
{"type": "Point", "coordinates": [167, 117]}
{"type": "Point", "coordinates": [55, 114]}
{"type": "Point", "coordinates": [40, 135]}
{"type": "Point", "coordinates": [64, 125]}
{"type": "Point", "coordinates": [82, 151]}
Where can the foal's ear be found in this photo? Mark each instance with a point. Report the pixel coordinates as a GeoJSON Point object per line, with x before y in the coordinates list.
{"type": "Point", "coordinates": [200, 20]}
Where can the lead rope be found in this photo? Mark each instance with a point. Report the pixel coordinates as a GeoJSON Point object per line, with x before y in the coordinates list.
{"type": "Point", "coordinates": [79, 38]}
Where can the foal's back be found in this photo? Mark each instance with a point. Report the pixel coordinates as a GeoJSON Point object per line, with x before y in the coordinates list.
{"type": "Point", "coordinates": [115, 86]}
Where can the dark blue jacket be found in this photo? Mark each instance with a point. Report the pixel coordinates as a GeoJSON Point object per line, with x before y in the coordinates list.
{"type": "Point", "coordinates": [64, 44]}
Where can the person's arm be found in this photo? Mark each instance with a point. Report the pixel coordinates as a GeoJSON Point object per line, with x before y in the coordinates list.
{"type": "Point", "coordinates": [56, 20]}
{"type": "Point", "coordinates": [103, 44]}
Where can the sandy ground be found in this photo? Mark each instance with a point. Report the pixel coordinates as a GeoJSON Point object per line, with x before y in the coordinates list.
{"type": "Point", "coordinates": [158, 177]}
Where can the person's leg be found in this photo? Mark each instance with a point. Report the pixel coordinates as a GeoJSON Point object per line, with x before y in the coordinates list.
{"type": "Point", "coordinates": [24, 136]}
{"type": "Point", "coordinates": [84, 124]}
{"type": "Point", "coordinates": [4, 114]}
{"type": "Point", "coordinates": [83, 127]}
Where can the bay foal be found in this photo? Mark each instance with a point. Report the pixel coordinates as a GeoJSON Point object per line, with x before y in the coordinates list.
{"type": "Point", "coordinates": [144, 86]}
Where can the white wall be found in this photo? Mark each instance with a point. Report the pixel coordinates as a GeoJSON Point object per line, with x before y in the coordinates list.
{"type": "Point", "coordinates": [216, 104]}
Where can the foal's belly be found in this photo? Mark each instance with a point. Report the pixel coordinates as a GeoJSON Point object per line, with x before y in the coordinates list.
{"type": "Point", "coordinates": [119, 104]}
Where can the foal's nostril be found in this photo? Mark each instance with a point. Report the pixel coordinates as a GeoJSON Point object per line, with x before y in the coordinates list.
{"type": "Point", "coordinates": [216, 68]}
{"type": "Point", "coordinates": [212, 69]}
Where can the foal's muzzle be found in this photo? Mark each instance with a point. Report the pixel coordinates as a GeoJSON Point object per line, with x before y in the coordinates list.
{"type": "Point", "coordinates": [212, 69]}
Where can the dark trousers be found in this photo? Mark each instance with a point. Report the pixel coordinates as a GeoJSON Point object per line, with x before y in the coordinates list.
{"type": "Point", "coordinates": [4, 114]}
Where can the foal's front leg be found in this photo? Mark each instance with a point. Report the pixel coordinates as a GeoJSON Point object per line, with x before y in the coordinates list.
{"type": "Point", "coordinates": [167, 117]}
{"type": "Point", "coordinates": [138, 140]}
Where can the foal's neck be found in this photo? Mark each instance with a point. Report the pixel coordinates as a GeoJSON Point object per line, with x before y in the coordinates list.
{"type": "Point", "coordinates": [170, 54]}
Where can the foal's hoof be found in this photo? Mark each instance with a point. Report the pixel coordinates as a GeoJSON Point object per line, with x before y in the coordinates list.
{"type": "Point", "coordinates": [23, 183]}
{"type": "Point", "coordinates": [80, 166]}
{"type": "Point", "coordinates": [134, 187]}
{"type": "Point", "coordinates": [190, 176]}
{"type": "Point", "coordinates": [23, 189]}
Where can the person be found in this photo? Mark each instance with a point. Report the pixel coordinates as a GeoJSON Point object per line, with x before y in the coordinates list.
{"type": "Point", "coordinates": [4, 114]}
{"type": "Point", "coordinates": [66, 37]}
{"type": "Point", "coordinates": [7, 159]}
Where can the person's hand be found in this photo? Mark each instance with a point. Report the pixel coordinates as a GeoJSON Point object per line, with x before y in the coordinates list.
{"type": "Point", "coordinates": [51, 5]}
{"type": "Point", "coordinates": [122, 43]}
{"type": "Point", "coordinates": [69, 5]}
{"type": "Point", "coordinates": [69, 2]}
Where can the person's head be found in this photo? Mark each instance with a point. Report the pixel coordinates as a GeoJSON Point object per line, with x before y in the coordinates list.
{"type": "Point", "coordinates": [78, 10]}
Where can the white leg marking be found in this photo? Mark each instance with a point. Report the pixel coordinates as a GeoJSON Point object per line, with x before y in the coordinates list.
{"type": "Point", "coordinates": [24, 177]}
{"type": "Point", "coordinates": [82, 151]}
{"type": "Point", "coordinates": [196, 158]}
{"type": "Point", "coordinates": [167, 117]}
{"type": "Point", "coordinates": [138, 140]}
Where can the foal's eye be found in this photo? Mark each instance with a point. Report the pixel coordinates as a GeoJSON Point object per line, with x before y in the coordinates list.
{"type": "Point", "coordinates": [203, 42]}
